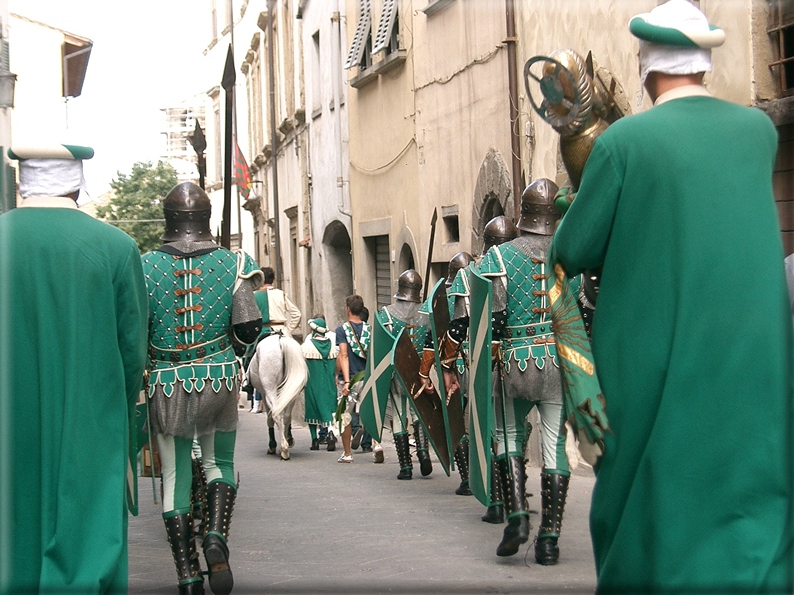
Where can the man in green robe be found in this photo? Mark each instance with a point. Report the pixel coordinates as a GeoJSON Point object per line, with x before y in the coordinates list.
{"type": "Point", "coordinates": [692, 337]}
{"type": "Point", "coordinates": [73, 319]}
{"type": "Point", "coordinates": [320, 353]}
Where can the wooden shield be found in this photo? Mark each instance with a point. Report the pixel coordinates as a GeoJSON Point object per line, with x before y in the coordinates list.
{"type": "Point", "coordinates": [451, 404]}
{"type": "Point", "coordinates": [377, 380]}
{"type": "Point", "coordinates": [481, 413]}
{"type": "Point", "coordinates": [428, 406]}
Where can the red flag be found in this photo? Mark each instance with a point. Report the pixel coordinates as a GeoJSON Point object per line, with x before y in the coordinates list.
{"type": "Point", "coordinates": [242, 173]}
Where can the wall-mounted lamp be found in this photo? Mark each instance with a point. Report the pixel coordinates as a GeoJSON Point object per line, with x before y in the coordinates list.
{"type": "Point", "coordinates": [8, 81]}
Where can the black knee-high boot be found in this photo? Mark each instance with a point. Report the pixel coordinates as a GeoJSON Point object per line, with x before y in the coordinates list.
{"type": "Point", "coordinates": [425, 464]}
{"type": "Point", "coordinates": [198, 497]}
{"type": "Point", "coordinates": [403, 456]}
{"type": "Point", "coordinates": [220, 502]}
{"type": "Point", "coordinates": [179, 529]}
{"type": "Point", "coordinates": [462, 461]}
{"type": "Point", "coordinates": [514, 483]}
{"type": "Point", "coordinates": [553, 490]}
{"type": "Point", "coordinates": [496, 511]}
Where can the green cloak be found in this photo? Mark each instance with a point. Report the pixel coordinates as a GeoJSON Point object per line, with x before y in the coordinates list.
{"type": "Point", "coordinates": [320, 391]}
{"type": "Point", "coordinates": [73, 325]}
{"type": "Point", "coordinates": [692, 341]}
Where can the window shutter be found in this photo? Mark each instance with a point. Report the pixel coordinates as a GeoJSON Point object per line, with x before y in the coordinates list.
{"type": "Point", "coordinates": [358, 45]}
{"type": "Point", "coordinates": [385, 25]}
{"type": "Point", "coordinates": [5, 63]}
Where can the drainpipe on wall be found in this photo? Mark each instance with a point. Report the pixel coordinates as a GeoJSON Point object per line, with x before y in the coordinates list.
{"type": "Point", "coordinates": [336, 21]}
{"type": "Point", "coordinates": [271, 7]}
{"type": "Point", "coordinates": [512, 83]}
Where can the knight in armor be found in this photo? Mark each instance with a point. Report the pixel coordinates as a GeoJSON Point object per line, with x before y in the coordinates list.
{"type": "Point", "coordinates": [405, 313]}
{"type": "Point", "coordinates": [201, 296]}
{"type": "Point", "coordinates": [455, 348]}
{"type": "Point", "coordinates": [529, 376]}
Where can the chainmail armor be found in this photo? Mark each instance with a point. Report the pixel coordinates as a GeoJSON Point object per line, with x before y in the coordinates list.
{"type": "Point", "coordinates": [515, 298]}
{"type": "Point", "coordinates": [196, 396]}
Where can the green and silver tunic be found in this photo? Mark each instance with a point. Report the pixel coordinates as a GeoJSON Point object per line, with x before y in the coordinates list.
{"type": "Point", "coordinates": [520, 288]}
{"type": "Point", "coordinates": [197, 291]}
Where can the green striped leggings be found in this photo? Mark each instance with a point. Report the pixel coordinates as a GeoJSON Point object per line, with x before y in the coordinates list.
{"type": "Point", "coordinates": [217, 456]}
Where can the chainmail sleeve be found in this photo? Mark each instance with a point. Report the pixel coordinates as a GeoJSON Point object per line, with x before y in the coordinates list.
{"type": "Point", "coordinates": [246, 316]}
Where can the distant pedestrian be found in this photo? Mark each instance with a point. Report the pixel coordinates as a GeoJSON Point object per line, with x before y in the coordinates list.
{"type": "Point", "coordinates": [360, 435]}
{"type": "Point", "coordinates": [353, 339]}
{"type": "Point", "coordinates": [73, 322]}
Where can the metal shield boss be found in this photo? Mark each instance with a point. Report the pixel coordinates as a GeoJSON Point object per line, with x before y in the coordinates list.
{"type": "Point", "coordinates": [428, 406]}
{"type": "Point", "coordinates": [452, 404]}
{"type": "Point", "coordinates": [377, 380]}
{"type": "Point", "coordinates": [481, 414]}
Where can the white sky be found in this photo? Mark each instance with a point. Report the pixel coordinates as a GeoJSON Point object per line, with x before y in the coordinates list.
{"type": "Point", "coordinates": [146, 56]}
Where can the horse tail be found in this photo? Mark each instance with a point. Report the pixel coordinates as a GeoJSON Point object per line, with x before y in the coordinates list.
{"type": "Point", "coordinates": [295, 374]}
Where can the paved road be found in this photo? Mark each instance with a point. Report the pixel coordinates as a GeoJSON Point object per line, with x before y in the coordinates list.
{"type": "Point", "coordinates": [312, 525]}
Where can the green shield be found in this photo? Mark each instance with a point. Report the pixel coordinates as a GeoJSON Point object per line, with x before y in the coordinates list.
{"type": "Point", "coordinates": [427, 405]}
{"type": "Point", "coordinates": [481, 415]}
{"type": "Point", "coordinates": [452, 404]}
{"type": "Point", "coordinates": [377, 378]}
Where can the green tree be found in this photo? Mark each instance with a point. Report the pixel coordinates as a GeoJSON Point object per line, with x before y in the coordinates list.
{"type": "Point", "coordinates": [136, 207]}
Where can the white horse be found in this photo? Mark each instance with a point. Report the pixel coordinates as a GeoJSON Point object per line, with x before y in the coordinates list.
{"type": "Point", "coordinates": [278, 371]}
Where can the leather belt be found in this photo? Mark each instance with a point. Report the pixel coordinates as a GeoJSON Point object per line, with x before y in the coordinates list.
{"type": "Point", "coordinates": [190, 352]}
{"type": "Point", "coordinates": [528, 330]}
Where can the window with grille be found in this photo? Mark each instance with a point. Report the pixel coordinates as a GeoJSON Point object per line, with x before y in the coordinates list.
{"type": "Point", "coordinates": [781, 32]}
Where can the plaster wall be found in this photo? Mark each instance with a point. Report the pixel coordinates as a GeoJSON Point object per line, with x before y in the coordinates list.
{"type": "Point", "coordinates": [384, 179]}
{"type": "Point", "coordinates": [462, 111]}
{"type": "Point", "coordinates": [602, 27]}
{"type": "Point", "coordinates": [326, 112]}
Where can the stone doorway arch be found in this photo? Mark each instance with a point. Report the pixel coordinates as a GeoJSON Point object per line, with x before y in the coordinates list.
{"type": "Point", "coordinates": [493, 196]}
{"type": "Point", "coordinates": [339, 263]}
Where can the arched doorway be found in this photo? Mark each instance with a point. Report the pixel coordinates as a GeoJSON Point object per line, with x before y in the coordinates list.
{"type": "Point", "coordinates": [339, 263]}
{"type": "Point", "coordinates": [406, 260]}
{"type": "Point", "coordinates": [493, 196]}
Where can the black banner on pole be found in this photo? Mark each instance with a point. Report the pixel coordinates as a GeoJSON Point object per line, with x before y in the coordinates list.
{"type": "Point", "coordinates": [227, 82]}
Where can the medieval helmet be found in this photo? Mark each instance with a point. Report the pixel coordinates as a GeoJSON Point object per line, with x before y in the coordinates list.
{"type": "Point", "coordinates": [538, 213]}
{"type": "Point", "coordinates": [457, 262]}
{"type": "Point", "coordinates": [187, 211]}
{"type": "Point", "coordinates": [498, 231]}
{"type": "Point", "coordinates": [409, 284]}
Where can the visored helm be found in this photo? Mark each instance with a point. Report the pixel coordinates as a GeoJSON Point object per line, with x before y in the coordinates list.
{"type": "Point", "coordinates": [409, 286]}
{"type": "Point", "coordinates": [457, 262]}
{"type": "Point", "coordinates": [498, 231]}
{"type": "Point", "coordinates": [187, 211]}
{"type": "Point", "coordinates": [538, 213]}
